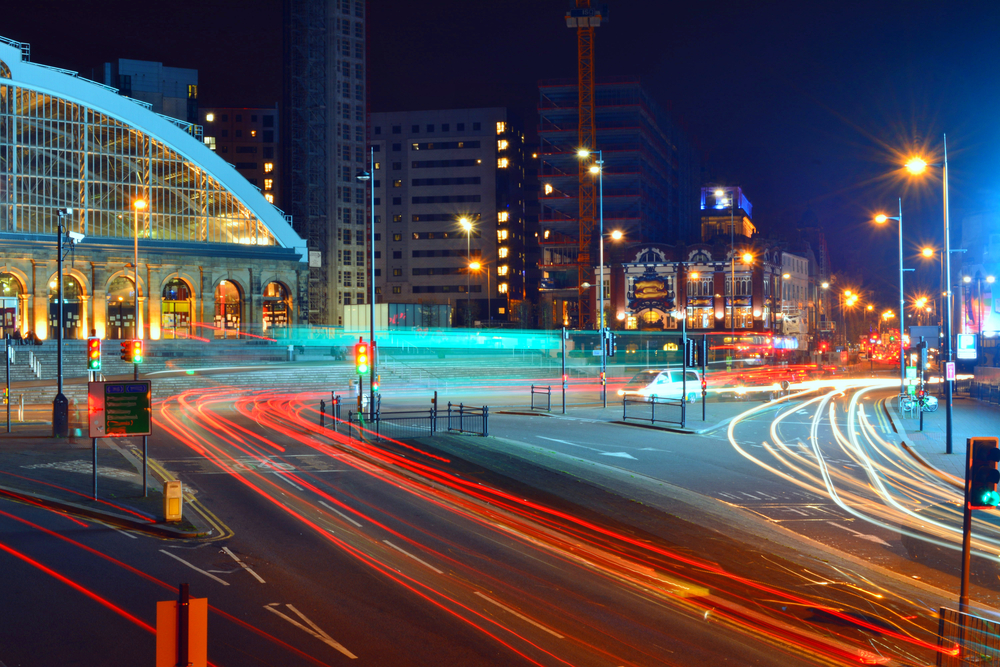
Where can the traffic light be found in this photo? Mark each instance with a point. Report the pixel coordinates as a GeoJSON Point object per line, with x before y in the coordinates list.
{"type": "Point", "coordinates": [610, 343]}
{"type": "Point", "coordinates": [137, 356]}
{"type": "Point", "coordinates": [378, 381]}
{"type": "Point", "coordinates": [126, 353]}
{"type": "Point", "coordinates": [361, 363]}
{"type": "Point", "coordinates": [93, 354]}
{"type": "Point", "coordinates": [689, 352]}
{"type": "Point", "coordinates": [983, 474]}
{"type": "Point", "coordinates": [704, 385]}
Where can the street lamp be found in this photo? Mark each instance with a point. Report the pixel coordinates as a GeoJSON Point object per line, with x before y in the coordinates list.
{"type": "Point", "coordinates": [467, 226]}
{"type": "Point", "coordinates": [137, 205]}
{"type": "Point", "coordinates": [598, 169]}
{"type": "Point", "coordinates": [369, 176]}
{"type": "Point", "coordinates": [478, 266]}
{"type": "Point", "coordinates": [916, 166]}
{"type": "Point", "coordinates": [881, 219]}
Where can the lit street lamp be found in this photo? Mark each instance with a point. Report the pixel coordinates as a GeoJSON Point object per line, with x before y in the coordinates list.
{"type": "Point", "coordinates": [598, 169]}
{"type": "Point", "coordinates": [372, 378]}
{"type": "Point", "coordinates": [467, 226]}
{"type": "Point", "coordinates": [881, 219]}
{"type": "Point", "coordinates": [478, 266]}
{"type": "Point", "coordinates": [137, 205]}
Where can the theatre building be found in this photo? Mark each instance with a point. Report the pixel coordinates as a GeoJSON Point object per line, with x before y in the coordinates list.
{"type": "Point", "coordinates": [215, 258]}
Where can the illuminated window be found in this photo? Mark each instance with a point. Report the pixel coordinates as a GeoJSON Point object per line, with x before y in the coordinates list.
{"type": "Point", "coordinates": [503, 216]}
{"type": "Point", "coordinates": [397, 237]}
{"type": "Point", "coordinates": [631, 322]}
{"type": "Point", "coordinates": [502, 252]}
{"type": "Point", "coordinates": [502, 163]}
{"type": "Point", "coordinates": [502, 288]}
{"type": "Point", "coordinates": [397, 272]}
{"type": "Point", "coordinates": [268, 183]}
{"type": "Point", "coordinates": [501, 127]}
{"type": "Point", "coordinates": [502, 145]}
{"type": "Point", "coordinates": [501, 235]}
{"type": "Point", "coordinates": [253, 133]}
{"type": "Point", "coordinates": [378, 165]}
{"type": "Point", "coordinates": [397, 183]}
{"type": "Point", "coordinates": [269, 197]}
{"type": "Point", "coordinates": [502, 270]}
{"type": "Point", "coordinates": [268, 167]}
{"type": "Point", "coordinates": [548, 188]}
{"type": "Point", "coordinates": [348, 279]}
{"type": "Point", "coordinates": [210, 142]}
{"type": "Point", "coordinates": [546, 235]}
{"type": "Point", "coordinates": [209, 117]}
{"type": "Point", "coordinates": [397, 289]}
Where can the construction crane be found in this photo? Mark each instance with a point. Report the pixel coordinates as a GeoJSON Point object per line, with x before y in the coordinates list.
{"type": "Point", "coordinates": [584, 18]}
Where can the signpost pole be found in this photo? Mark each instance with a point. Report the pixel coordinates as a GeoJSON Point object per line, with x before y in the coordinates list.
{"type": "Point", "coordinates": [95, 467]}
{"type": "Point", "coordinates": [145, 465]}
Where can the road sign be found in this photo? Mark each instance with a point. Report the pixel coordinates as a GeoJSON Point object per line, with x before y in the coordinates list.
{"type": "Point", "coordinates": [167, 633]}
{"type": "Point", "coordinates": [967, 346]}
{"type": "Point", "coordinates": [949, 371]}
{"type": "Point", "coordinates": [911, 372]}
{"type": "Point", "coordinates": [119, 408]}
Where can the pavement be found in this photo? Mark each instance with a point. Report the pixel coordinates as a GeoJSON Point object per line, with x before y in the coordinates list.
{"type": "Point", "coordinates": [58, 473]}
{"type": "Point", "coordinates": [970, 418]}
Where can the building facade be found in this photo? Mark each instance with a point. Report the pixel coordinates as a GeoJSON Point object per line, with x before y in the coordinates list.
{"type": "Point", "coordinates": [325, 145]}
{"type": "Point", "coordinates": [650, 182]}
{"type": "Point", "coordinates": [725, 213]}
{"type": "Point", "coordinates": [215, 259]}
{"type": "Point", "coordinates": [171, 91]}
{"type": "Point", "coordinates": [653, 284]}
{"type": "Point", "coordinates": [249, 140]}
{"type": "Point", "coordinates": [797, 305]}
{"type": "Point", "coordinates": [434, 170]}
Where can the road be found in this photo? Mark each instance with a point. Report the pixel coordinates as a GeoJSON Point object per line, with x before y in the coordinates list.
{"type": "Point", "coordinates": [332, 549]}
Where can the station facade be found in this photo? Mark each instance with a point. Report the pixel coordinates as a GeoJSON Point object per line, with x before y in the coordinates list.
{"type": "Point", "coordinates": [215, 258]}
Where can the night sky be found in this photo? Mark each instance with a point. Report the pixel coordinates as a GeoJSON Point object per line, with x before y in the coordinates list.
{"type": "Point", "coordinates": [810, 107]}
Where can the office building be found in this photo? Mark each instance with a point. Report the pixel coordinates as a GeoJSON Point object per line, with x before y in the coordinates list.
{"type": "Point", "coordinates": [435, 169]}
{"type": "Point", "coordinates": [249, 140]}
{"type": "Point", "coordinates": [171, 91]}
{"type": "Point", "coordinates": [650, 182]}
{"type": "Point", "coordinates": [324, 142]}
{"type": "Point", "coordinates": [215, 258]}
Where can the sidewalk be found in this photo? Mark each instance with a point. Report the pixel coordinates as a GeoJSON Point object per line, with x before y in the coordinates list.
{"type": "Point", "coordinates": [970, 418]}
{"type": "Point", "coordinates": [58, 473]}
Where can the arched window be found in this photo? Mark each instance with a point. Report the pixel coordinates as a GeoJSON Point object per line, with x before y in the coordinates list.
{"type": "Point", "coordinates": [4, 70]}
{"type": "Point", "coordinates": [176, 307]}
{"type": "Point", "coordinates": [277, 308]}
{"type": "Point", "coordinates": [228, 310]}
{"type": "Point", "coordinates": [10, 292]}
{"type": "Point", "coordinates": [121, 309]}
{"type": "Point", "coordinates": [72, 308]}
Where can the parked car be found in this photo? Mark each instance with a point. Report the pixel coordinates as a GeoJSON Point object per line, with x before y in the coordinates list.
{"type": "Point", "coordinates": [663, 384]}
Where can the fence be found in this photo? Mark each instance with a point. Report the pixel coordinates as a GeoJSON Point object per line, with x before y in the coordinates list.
{"type": "Point", "coordinates": [403, 425]}
{"type": "Point", "coordinates": [541, 391]}
{"type": "Point", "coordinates": [644, 409]}
{"type": "Point", "coordinates": [989, 393]}
{"type": "Point", "coordinates": [964, 639]}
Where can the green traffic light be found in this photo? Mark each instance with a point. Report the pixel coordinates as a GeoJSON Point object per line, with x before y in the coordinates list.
{"type": "Point", "coordinates": [991, 498]}
{"type": "Point", "coordinates": [362, 369]}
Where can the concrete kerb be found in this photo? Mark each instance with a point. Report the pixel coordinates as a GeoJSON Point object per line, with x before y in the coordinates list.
{"type": "Point", "coordinates": [161, 530]}
{"type": "Point", "coordinates": [897, 425]}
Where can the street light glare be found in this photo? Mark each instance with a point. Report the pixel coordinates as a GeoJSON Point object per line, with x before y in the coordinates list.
{"type": "Point", "coordinates": [475, 266]}
{"type": "Point", "coordinates": [720, 193]}
{"type": "Point", "coordinates": [916, 165]}
{"type": "Point", "coordinates": [583, 152]}
{"type": "Point", "coordinates": [881, 217]}
{"type": "Point", "coordinates": [927, 252]}
{"type": "Point", "coordinates": [747, 258]}
{"type": "Point", "coordinates": [466, 224]}
{"type": "Point", "coordinates": [594, 169]}
{"type": "Point", "coordinates": [139, 204]}
{"type": "Point", "coordinates": [825, 285]}
{"type": "Point", "coordinates": [616, 235]}
{"type": "Point", "coordinates": [786, 276]}
{"type": "Point", "coordinates": [966, 279]}
{"type": "Point", "coordinates": [990, 279]}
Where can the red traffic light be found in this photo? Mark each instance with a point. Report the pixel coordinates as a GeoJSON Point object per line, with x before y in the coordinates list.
{"type": "Point", "coordinates": [361, 363]}
{"type": "Point", "coordinates": [93, 354]}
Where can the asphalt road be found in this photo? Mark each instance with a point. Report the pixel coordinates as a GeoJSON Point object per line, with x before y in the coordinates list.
{"type": "Point", "coordinates": [333, 551]}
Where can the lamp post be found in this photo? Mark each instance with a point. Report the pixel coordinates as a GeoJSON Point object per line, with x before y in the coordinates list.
{"type": "Point", "coordinates": [370, 177]}
{"type": "Point", "coordinates": [598, 168]}
{"type": "Point", "coordinates": [467, 226]}
{"type": "Point", "coordinates": [917, 165]}
{"type": "Point", "coordinates": [138, 205]}
{"type": "Point", "coordinates": [881, 218]}
{"type": "Point", "coordinates": [60, 404]}
{"type": "Point", "coordinates": [479, 266]}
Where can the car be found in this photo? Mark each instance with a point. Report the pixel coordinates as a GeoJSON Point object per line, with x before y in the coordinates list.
{"type": "Point", "coordinates": [665, 383]}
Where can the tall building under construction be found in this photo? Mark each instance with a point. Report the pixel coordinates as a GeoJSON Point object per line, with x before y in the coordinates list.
{"type": "Point", "coordinates": [325, 140]}
{"type": "Point", "coordinates": [651, 184]}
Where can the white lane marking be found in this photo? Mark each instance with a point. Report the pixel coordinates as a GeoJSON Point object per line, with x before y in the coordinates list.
{"type": "Point", "coordinates": [521, 616]}
{"type": "Point", "coordinates": [407, 553]}
{"type": "Point", "coordinates": [870, 538]}
{"type": "Point", "coordinates": [195, 568]}
{"type": "Point", "coordinates": [125, 534]}
{"type": "Point", "coordinates": [243, 565]}
{"type": "Point", "coordinates": [621, 455]}
{"type": "Point", "coordinates": [567, 442]}
{"type": "Point", "coordinates": [320, 635]}
{"type": "Point", "coordinates": [333, 509]}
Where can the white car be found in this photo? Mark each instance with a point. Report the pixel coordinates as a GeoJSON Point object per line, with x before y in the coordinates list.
{"type": "Point", "coordinates": [653, 383]}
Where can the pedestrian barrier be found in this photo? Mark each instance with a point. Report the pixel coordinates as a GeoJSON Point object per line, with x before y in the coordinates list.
{"type": "Point", "coordinates": [402, 425]}
{"type": "Point", "coordinates": [989, 393]}
{"type": "Point", "coordinates": [541, 391]}
{"type": "Point", "coordinates": [643, 408]}
{"type": "Point", "coordinates": [965, 639]}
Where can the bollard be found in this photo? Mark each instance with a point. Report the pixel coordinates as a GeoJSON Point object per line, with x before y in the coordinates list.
{"type": "Point", "coordinates": [322, 413]}
{"type": "Point", "coordinates": [173, 501]}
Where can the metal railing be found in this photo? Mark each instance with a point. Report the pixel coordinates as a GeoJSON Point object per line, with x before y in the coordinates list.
{"type": "Point", "coordinates": [964, 639]}
{"type": "Point", "coordinates": [468, 419]}
{"type": "Point", "coordinates": [546, 391]}
{"type": "Point", "coordinates": [672, 410]}
{"type": "Point", "coordinates": [402, 425]}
